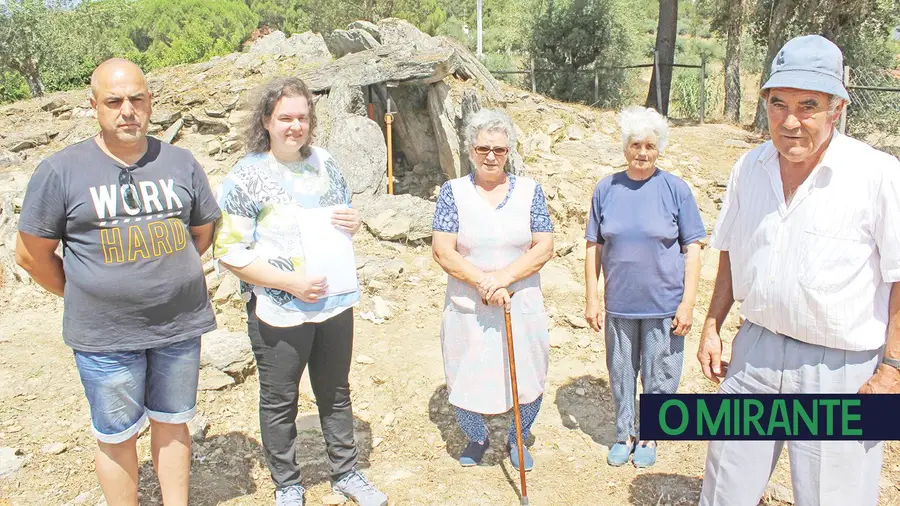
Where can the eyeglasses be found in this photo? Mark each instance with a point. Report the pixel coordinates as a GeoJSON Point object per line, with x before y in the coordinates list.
{"type": "Point", "coordinates": [498, 151]}
{"type": "Point", "coordinates": [126, 180]}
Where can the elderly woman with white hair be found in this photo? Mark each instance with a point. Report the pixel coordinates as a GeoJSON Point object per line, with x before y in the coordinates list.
{"type": "Point", "coordinates": [492, 234]}
{"type": "Point", "coordinates": [643, 231]}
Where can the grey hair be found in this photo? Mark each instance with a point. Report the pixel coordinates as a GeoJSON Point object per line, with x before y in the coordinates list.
{"type": "Point", "coordinates": [836, 101]}
{"type": "Point", "coordinates": [833, 100]}
{"type": "Point", "coordinates": [491, 120]}
{"type": "Point", "coordinates": [640, 123]}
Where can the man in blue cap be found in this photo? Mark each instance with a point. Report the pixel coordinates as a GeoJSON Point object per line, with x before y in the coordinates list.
{"type": "Point", "coordinates": [809, 240]}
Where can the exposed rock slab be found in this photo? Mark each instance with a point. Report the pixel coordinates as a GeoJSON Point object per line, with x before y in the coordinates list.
{"type": "Point", "coordinates": [344, 42]}
{"type": "Point", "coordinates": [359, 148]}
{"type": "Point", "coordinates": [400, 31]}
{"type": "Point", "coordinates": [309, 47]}
{"type": "Point", "coordinates": [381, 64]}
{"type": "Point", "coordinates": [444, 122]}
{"type": "Point", "coordinates": [367, 26]}
{"type": "Point", "coordinates": [413, 133]}
{"type": "Point", "coordinates": [164, 117]}
{"type": "Point", "coordinates": [8, 158]}
{"type": "Point", "coordinates": [344, 99]}
{"type": "Point", "coordinates": [229, 352]}
{"type": "Point", "coordinates": [399, 217]}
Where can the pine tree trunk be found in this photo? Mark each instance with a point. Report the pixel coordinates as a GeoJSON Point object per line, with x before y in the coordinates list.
{"type": "Point", "coordinates": [733, 61]}
{"type": "Point", "coordinates": [781, 16]}
{"type": "Point", "coordinates": [666, 31]}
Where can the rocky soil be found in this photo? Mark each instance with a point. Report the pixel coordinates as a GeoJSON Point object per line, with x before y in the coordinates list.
{"type": "Point", "coordinates": [406, 430]}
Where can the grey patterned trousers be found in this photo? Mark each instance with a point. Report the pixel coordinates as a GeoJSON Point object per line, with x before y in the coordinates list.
{"type": "Point", "coordinates": [640, 346]}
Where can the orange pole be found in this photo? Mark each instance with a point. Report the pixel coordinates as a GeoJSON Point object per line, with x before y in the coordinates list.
{"type": "Point", "coordinates": [372, 112]}
{"type": "Point", "coordinates": [388, 119]}
{"type": "Point", "coordinates": [515, 394]}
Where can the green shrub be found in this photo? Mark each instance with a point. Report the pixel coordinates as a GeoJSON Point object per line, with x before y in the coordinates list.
{"type": "Point", "coordinates": [12, 87]}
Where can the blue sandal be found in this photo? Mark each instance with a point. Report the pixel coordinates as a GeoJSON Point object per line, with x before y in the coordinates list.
{"type": "Point", "coordinates": [514, 457]}
{"type": "Point", "coordinates": [619, 453]}
{"type": "Point", "coordinates": [644, 454]}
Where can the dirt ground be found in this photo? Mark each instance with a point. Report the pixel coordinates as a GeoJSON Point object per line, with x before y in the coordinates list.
{"type": "Point", "coordinates": [406, 431]}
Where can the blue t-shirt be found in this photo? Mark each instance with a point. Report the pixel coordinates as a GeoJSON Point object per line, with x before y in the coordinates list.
{"type": "Point", "coordinates": [642, 226]}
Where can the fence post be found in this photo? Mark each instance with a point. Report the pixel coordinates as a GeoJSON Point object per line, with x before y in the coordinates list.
{"type": "Point", "coordinates": [658, 87]}
{"type": "Point", "coordinates": [596, 86]}
{"type": "Point", "coordinates": [702, 88]}
{"type": "Point", "coordinates": [842, 125]}
{"type": "Point", "coordinates": [533, 84]}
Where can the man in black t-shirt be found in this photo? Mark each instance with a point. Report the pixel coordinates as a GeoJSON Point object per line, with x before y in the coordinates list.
{"type": "Point", "coordinates": [134, 214]}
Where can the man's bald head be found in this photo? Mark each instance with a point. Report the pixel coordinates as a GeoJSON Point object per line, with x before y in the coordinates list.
{"type": "Point", "coordinates": [116, 69]}
{"type": "Point", "coordinates": [122, 100]}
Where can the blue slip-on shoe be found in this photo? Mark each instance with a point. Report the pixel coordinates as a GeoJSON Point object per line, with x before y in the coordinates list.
{"type": "Point", "coordinates": [644, 454]}
{"type": "Point", "coordinates": [514, 457]}
{"type": "Point", "coordinates": [473, 453]}
{"type": "Point", "coordinates": [619, 453]}
{"type": "Point", "coordinates": [291, 495]}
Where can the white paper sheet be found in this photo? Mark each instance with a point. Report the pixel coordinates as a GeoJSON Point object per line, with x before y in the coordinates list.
{"type": "Point", "coordinates": [327, 251]}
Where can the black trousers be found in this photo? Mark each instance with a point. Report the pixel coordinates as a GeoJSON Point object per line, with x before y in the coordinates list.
{"type": "Point", "coordinates": [282, 353]}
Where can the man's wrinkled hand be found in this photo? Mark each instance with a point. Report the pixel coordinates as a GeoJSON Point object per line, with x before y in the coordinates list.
{"type": "Point", "coordinates": [709, 354]}
{"type": "Point", "coordinates": [886, 380]}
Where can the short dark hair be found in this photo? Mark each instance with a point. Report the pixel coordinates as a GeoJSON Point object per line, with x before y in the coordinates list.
{"type": "Point", "coordinates": [257, 136]}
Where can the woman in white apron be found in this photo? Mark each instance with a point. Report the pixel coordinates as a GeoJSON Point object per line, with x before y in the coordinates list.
{"type": "Point", "coordinates": [492, 234]}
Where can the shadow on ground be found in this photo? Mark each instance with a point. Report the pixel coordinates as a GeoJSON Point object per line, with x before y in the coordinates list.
{"type": "Point", "coordinates": [664, 489]}
{"type": "Point", "coordinates": [224, 466]}
{"type": "Point", "coordinates": [585, 403]}
{"type": "Point", "coordinates": [314, 465]}
{"type": "Point", "coordinates": [221, 470]}
{"type": "Point", "coordinates": [442, 414]}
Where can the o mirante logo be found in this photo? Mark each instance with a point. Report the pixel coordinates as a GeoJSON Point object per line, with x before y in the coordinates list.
{"type": "Point", "coordinates": [769, 417]}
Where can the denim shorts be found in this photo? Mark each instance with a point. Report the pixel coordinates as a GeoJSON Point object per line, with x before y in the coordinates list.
{"type": "Point", "coordinates": [124, 388]}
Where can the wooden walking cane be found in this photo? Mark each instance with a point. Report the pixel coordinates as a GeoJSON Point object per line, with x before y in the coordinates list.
{"type": "Point", "coordinates": [515, 394]}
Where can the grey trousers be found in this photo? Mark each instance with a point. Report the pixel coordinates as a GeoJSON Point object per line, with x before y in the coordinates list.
{"type": "Point", "coordinates": [281, 356]}
{"type": "Point", "coordinates": [823, 473]}
{"type": "Point", "coordinates": [647, 347]}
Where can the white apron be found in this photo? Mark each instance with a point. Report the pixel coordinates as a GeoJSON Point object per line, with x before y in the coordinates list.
{"type": "Point", "coordinates": [473, 335]}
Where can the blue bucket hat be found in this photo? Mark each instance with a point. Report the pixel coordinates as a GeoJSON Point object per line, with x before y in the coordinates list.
{"type": "Point", "coordinates": [810, 62]}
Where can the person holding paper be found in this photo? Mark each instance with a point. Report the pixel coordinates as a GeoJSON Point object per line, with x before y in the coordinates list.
{"type": "Point", "coordinates": [273, 201]}
{"type": "Point", "coordinates": [492, 234]}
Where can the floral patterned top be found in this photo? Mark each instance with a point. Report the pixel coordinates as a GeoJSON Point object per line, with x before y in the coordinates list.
{"type": "Point", "coordinates": [446, 215]}
{"type": "Point", "coordinates": [260, 199]}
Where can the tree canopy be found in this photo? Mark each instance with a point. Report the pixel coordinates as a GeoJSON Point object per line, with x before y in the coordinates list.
{"type": "Point", "coordinates": [50, 45]}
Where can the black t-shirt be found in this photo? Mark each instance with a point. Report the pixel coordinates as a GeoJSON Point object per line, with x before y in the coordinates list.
{"type": "Point", "coordinates": [133, 277]}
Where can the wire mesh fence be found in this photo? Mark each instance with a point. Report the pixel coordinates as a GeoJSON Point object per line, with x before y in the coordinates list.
{"type": "Point", "coordinates": [602, 87]}
{"type": "Point", "coordinates": [874, 111]}
{"type": "Point", "coordinates": [612, 87]}
{"type": "Point", "coordinates": [686, 90]}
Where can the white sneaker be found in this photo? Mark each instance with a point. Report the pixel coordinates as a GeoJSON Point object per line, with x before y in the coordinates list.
{"type": "Point", "coordinates": [355, 486]}
{"type": "Point", "coordinates": [291, 495]}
